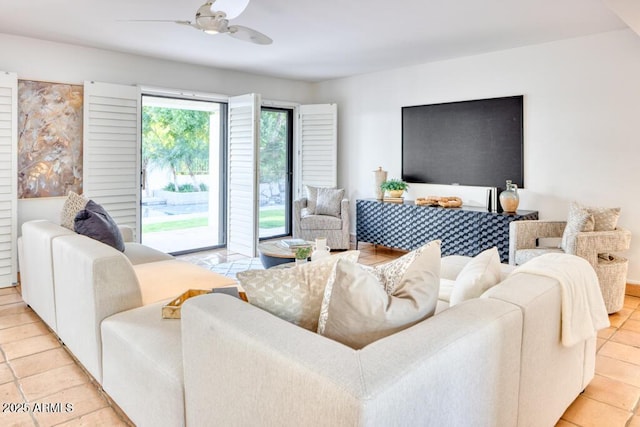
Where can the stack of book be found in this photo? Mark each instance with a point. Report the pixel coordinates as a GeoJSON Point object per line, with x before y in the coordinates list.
{"type": "Point", "coordinates": [294, 244]}
{"type": "Point", "coordinates": [394, 199]}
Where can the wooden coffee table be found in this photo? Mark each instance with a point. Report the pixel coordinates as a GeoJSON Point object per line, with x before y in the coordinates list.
{"type": "Point", "coordinates": [274, 253]}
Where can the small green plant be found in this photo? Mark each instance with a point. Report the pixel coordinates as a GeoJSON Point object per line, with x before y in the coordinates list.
{"type": "Point", "coordinates": [203, 187]}
{"type": "Point", "coordinates": [303, 252]}
{"type": "Point", "coordinates": [170, 187]}
{"type": "Point", "coordinates": [394, 185]}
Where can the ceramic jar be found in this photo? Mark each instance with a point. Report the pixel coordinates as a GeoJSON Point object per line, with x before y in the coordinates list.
{"type": "Point", "coordinates": [509, 198]}
{"type": "Point", "coordinates": [320, 249]}
{"type": "Point", "coordinates": [380, 177]}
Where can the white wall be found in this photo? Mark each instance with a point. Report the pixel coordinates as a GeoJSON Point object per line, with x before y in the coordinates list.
{"type": "Point", "coordinates": [582, 122]}
{"type": "Point", "coordinates": [47, 61]}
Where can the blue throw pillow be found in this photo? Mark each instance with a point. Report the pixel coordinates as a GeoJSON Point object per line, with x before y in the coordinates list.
{"type": "Point", "coordinates": [93, 221]}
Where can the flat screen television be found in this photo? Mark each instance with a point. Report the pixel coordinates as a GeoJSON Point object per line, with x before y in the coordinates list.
{"type": "Point", "coordinates": [477, 143]}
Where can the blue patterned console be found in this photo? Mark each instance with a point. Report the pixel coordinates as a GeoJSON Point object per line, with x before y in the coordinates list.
{"type": "Point", "coordinates": [463, 231]}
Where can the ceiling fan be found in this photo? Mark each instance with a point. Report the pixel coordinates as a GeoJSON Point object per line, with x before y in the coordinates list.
{"type": "Point", "coordinates": [217, 22]}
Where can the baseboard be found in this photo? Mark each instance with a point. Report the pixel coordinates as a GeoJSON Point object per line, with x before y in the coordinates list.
{"type": "Point", "coordinates": [633, 290]}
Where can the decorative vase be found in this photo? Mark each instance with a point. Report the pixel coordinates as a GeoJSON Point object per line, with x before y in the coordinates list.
{"type": "Point", "coordinates": [380, 177]}
{"type": "Point", "coordinates": [396, 194]}
{"type": "Point", "coordinates": [320, 249]}
{"type": "Point", "coordinates": [300, 261]}
{"type": "Point", "coordinates": [509, 198]}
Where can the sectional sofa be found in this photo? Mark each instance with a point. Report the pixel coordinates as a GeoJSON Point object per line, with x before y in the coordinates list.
{"type": "Point", "coordinates": [494, 360]}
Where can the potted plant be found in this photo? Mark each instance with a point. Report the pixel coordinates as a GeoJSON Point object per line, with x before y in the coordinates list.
{"type": "Point", "coordinates": [395, 187]}
{"type": "Point", "coordinates": [302, 254]}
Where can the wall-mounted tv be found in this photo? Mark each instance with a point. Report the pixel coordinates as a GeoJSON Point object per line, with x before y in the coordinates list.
{"type": "Point", "coordinates": [477, 143]}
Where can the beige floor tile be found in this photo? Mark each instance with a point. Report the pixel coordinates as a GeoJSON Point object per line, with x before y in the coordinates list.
{"type": "Point", "coordinates": [635, 421]}
{"type": "Point", "coordinates": [564, 423]}
{"type": "Point", "coordinates": [631, 301]}
{"type": "Point", "coordinates": [635, 315]}
{"type": "Point", "coordinates": [607, 333]}
{"type": "Point", "coordinates": [599, 343]}
{"type": "Point", "coordinates": [103, 417]}
{"type": "Point", "coordinates": [40, 362]}
{"type": "Point", "coordinates": [16, 419]}
{"type": "Point", "coordinates": [626, 337]}
{"type": "Point", "coordinates": [21, 332]}
{"type": "Point", "coordinates": [617, 319]}
{"type": "Point", "coordinates": [8, 291]}
{"type": "Point", "coordinates": [618, 370]}
{"type": "Point", "coordinates": [16, 308]}
{"type": "Point", "coordinates": [6, 375]}
{"type": "Point", "coordinates": [9, 393]}
{"type": "Point", "coordinates": [26, 347]}
{"type": "Point", "coordinates": [612, 392]}
{"type": "Point", "coordinates": [620, 351]}
{"type": "Point", "coordinates": [631, 325]}
{"type": "Point", "coordinates": [74, 402]}
{"type": "Point", "coordinates": [587, 412]}
{"type": "Point", "coordinates": [10, 298]}
{"type": "Point", "coordinates": [52, 381]}
{"type": "Point", "coordinates": [18, 319]}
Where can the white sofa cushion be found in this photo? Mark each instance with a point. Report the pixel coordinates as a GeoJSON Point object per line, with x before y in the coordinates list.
{"type": "Point", "coordinates": [480, 274]}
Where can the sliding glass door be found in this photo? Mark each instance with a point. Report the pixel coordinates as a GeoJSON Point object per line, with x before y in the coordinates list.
{"type": "Point", "coordinates": [182, 174]}
{"type": "Point", "coordinates": [275, 172]}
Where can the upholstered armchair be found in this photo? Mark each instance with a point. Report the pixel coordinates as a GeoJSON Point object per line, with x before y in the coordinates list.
{"type": "Point", "coordinates": [309, 226]}
{"type": "Point", "coordinates": [597, 247]}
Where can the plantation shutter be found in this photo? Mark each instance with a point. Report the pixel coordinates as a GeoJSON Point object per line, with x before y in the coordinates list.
{"type": "Point", "coordinates": [8, 177]}
{"type": "Point", "coordinates": [112, 150]}
{"type": "Point", "coordinates": [244, 132]}
{"type": "Point", "coordinates": [317, 158]}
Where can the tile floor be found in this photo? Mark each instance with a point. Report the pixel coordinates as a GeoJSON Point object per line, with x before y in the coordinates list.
{"type": "Point", "coordinates": [35, 370]}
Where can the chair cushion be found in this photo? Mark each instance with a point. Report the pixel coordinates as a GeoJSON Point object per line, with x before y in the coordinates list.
{"type": "Point", "coordinates": [328, 202]}
{"type": "Point", "coordinates": [524, 255]}
{"type": "Point", "coordinates": [320, 222]}
{"type": "Point", "coordinates": [141, 254]}
{"type": "Point", "coordinates": [359, 311]}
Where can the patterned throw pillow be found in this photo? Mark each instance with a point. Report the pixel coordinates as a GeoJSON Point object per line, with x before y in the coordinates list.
{"type": "Point", "coordinates": [360, 311]}
{"type": "Point", "coordinates": [329, 200]}
{"type": "Point", "coordinates": [578, 220]}
{"type": "Point", "coordinates": [293, 294]}
{"type": "Point", "coordinates": [74, 204]}
{"type": "Point", "coordinates": [480, 274]}
{"type": "Point", "coordinates": [604, 219]}
{"type": "Point", "coordinates": [312, 199]}
{"type": "Point", "coordinates": [389, 276]}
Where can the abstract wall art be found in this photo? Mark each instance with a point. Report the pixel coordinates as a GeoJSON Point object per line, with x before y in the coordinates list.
{"type": "Point", "coordinates": [49, 139]}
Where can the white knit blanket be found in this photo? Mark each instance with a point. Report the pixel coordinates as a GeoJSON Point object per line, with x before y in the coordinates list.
{"type": "Point", "coordinates": [583, 309]}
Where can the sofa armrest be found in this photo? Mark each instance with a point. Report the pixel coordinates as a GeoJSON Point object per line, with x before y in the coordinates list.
{"type": "Point", "coordinates": [92, 282]}
{"type": "Point", "coordinates": [244, 366]}
{"type": "Point", "coordinates": [127, 233]}
{"type": "Point", "coordinates": [591, 243]}
{"type": "Point", "coordinates": [525, 234]}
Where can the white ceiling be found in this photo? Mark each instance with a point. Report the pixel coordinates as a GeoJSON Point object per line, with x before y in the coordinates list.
{"type": "Point", "coordinates": [314, 40]}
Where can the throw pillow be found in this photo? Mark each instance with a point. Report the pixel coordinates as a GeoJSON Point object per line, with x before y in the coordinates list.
{"type": "Point", "coordinates": [328, 202]}
{"type": "Point", "coordinates": [579, 219]}
{"type": "Point", "coordinates": [312, 198]}
{"type": "Point", "coordinates": [604, 219]}
{"type": "Point", "coordinates": [359, 310]}
{"type": "Point", "coordinates": [95, 222]}
{"type": "Point", "coordinates": [480, 274]}
{"type": "Point", "coordinates": [293, 294]}
{"type": "Point", "coordinates": [72, 205]}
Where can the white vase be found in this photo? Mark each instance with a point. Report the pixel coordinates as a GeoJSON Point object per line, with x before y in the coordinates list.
{"type": "Point", "coordinates": [320, 249]}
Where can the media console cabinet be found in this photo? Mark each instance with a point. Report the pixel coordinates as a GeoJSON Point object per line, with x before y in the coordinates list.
{"type": "Point", "coordinates": [463, 231]}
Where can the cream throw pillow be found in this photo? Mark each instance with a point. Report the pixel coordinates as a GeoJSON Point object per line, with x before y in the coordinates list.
{"type": "Point", "coordinates": [359, 311]}
{"type": "Point", "coordinates": [312, 199]}
{"type": "Point", "coordinates": [72, 205]}
{"type": "Point", "coordinates": [293, 294]}
{"type": "Point", "coordinates": [329, 201]}
{"type": "Point", "coordinates": [480, 274]}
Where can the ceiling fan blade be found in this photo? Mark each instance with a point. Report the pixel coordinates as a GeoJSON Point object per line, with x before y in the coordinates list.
{"type": "Point", "coordinates": [248, 35]}
{"type": "Point", "coordinates": [233, 8]}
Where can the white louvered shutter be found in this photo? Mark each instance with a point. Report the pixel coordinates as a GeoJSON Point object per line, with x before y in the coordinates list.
{"type": "Point", "coordinates": [8, 177]}
{"type": "Point", "coordinates": [244, 132]}
{"type": "Point", "coordinates": [317, 140]}
{"type": "Point", "coordinates": [112, 150]}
